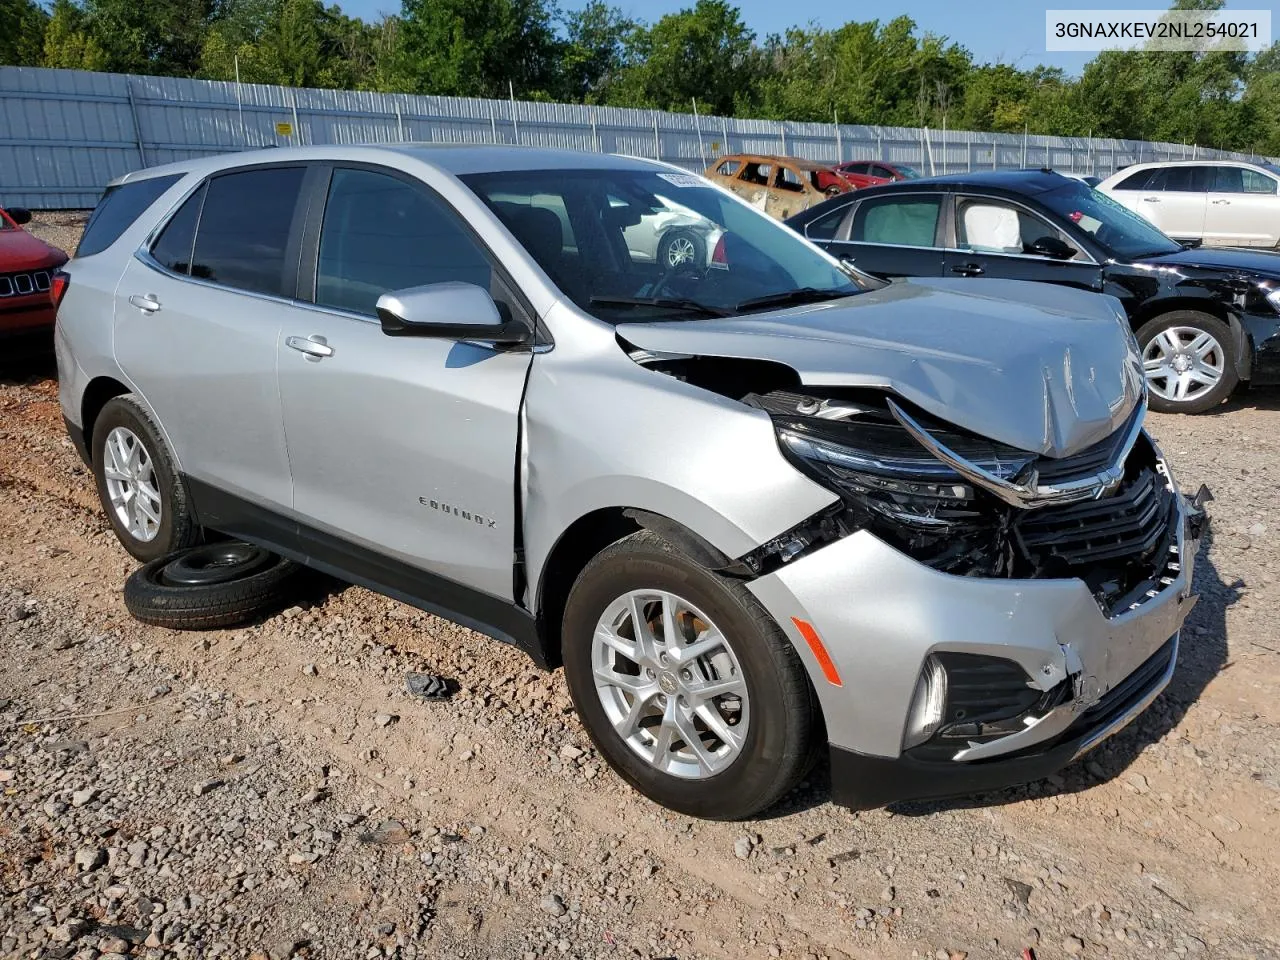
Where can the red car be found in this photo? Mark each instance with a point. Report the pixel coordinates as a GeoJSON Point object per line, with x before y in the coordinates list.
{"type": "Point", "coordinates": [870, 173]}
{"type": "Point", "coordinates": [27, 264]}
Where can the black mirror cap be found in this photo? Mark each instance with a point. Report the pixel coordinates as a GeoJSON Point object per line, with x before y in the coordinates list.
{"type": "Point", "coordinates": [18, 215]}
{"type": "Point", "coordinates": [509, 333]}
{"type": "Point", "coordinates": [1053, 247]}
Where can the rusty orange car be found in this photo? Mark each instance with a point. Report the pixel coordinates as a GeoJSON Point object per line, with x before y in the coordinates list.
{"type": "Point", "coordinates": [780, 186]}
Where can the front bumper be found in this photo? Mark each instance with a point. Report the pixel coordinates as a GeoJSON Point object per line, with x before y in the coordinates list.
{"type": "Point", "coordinates": [1263, 332]}
{"type": "Point", "coordinates": [879, 614]}
{"type": "Point", "coordinates": [26, 315]}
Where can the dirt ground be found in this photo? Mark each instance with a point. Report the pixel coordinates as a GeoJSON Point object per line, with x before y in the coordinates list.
{"type": "Point", "coordinates": [274, 791]}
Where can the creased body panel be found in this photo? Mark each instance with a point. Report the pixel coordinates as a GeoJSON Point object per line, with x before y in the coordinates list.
{"type": "Point", "coordinates": [605, 432]}
{"type": "Point", "coordinates": [1040, 368]}
{"type": "Point", "coordinates": [880, 614]}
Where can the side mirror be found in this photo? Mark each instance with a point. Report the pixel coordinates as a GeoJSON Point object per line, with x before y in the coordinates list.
{"type": "Point", "coordinates": [448, 311]}
{"type": "Point", "coordinates": [18, 215]}
{"type": "Point", "coordinates": [1055, 248]}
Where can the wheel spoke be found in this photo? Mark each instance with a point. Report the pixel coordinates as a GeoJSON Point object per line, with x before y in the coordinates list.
{"type": "Point", "coordinates": [610, 639]}
{"type": "Point", "coordinates": [630, 724]}
{"type": "Point", "coordinates": [1202, 346]}
{"type": "Point", "coordinates": [623, 681]}
{"type": "Point", "coordinates": [1182, 387]}
{"type": "Point", "coordinates": [143, 508]}
{"type": "Point", "coordinates": [664, 734]}
{"type": "Point", "coordinates": [709, 640]}
{"type": "Point", "coordinates": [1167, 343]}
{"type": "Point", "coordinates": [646, 649]}
{"type": "Point", "coordinates": [717, 725]}
{"type": "Point", "coordinates": [670, 629]}
{"type": "Point", "coordinates": [688, 731]}
{"type": "Point", "coordinates": [704, 690]}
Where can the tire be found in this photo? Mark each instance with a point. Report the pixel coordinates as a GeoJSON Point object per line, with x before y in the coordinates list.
{"type": "Point", "coordinates": [832, 191]}
{"type": "Point", "coordinates": [123, 418]}
{"type": "Point", "coordinates": [217, 585]}
{"type": "Point", "coordinates": [691, 246]}
{"type": "Point", "coordinates": [1171, 339]}
{"type": "Point", "coordinates": [779, 707]}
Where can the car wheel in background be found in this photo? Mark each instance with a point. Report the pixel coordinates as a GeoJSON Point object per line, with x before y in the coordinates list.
{"type": "Point", "coordinates": [1189, 361]}
{"type": "Point", "coordinates": [684, 682]}
{"type": "Point", "coordinates": [679, 247]}
{"type": "Point", "coordinates": [215, 585]}
{"type": "Point", "coordinates": [144, 498]}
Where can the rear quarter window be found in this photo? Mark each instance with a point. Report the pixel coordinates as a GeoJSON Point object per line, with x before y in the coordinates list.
{"type": "Point", "coordinates": [116, 212]}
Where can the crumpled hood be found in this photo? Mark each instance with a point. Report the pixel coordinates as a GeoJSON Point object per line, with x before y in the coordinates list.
{"type": "Point", "coordinates": [1042, 368]}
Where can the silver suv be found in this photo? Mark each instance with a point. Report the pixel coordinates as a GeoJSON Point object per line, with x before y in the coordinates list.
{"type": "Point", "coordinates": [746, 503]}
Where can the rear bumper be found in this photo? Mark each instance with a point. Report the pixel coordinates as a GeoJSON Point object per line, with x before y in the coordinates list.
{"type": "Point", "coordinates": [863, 782]}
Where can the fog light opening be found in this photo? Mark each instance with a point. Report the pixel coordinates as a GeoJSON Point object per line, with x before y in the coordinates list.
{"type": "Point", "coordinates": [928, 704]}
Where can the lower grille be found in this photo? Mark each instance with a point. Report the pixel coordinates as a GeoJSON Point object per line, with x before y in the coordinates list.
{"type": "Point", "coordinates": [24, 284]}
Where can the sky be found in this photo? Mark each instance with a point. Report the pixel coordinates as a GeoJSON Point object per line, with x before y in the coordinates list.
{"type": "Point", "coordinates": [1004, 31]}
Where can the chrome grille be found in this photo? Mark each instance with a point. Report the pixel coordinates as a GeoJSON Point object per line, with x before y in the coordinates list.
{"type": "Point", "coordinates": [24, 284]}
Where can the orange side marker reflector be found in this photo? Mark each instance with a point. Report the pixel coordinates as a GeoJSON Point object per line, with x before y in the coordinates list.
{"type": "Point", "coordinates": [819, 651]}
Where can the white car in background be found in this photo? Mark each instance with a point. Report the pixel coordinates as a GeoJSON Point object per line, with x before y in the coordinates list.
{"type": "Point", "coordinates": [1228, 202]}
{"type": "Point", "coordinates": [673, 235]}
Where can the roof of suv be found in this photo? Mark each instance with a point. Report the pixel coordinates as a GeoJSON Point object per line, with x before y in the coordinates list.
{"type": "Point", "coordinates": [456, 159]}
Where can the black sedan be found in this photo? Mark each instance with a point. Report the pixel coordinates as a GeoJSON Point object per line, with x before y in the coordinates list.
{"type": "Point", "coordinates": [1206, 319]}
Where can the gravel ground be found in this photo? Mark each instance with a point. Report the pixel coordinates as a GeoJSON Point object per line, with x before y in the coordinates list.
{"type": "Point", "coordinates": [275, 791]}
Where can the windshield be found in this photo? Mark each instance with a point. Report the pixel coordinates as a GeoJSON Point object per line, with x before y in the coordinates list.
{"type": "Point", "coordinates": [647, 245]}
{"type": "Point", "coordinates": [1122, 232]}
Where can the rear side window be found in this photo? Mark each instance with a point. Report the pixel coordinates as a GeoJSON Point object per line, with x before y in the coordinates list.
{"type": "Point", "coordinates": [172, 249]}
{"type": "Point", "coordinates": [245, 227]}
{"type": "Point", "coordinates": [826, 226]}
{"type": "Point", "coordinates": [901, 221]}
{"type": "Point", "coordinates": [381, 234]}
{"type": "Point", "coordinates": [729, 168]}
{"type": "Point", "coordinates": [1137, 181]}
{"type": "Point", "coordinates": [119, 207]}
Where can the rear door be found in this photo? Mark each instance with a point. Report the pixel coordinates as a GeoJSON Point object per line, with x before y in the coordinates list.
{"type": "Point", "coordinates": [993, 237]}
{"type": "Point", "coordinates": [403, 449]}
{"type": "Point", "coordinates": [1175, 199]}
{"type": "Point", "coordinates": [1243, 208]}
{"type": "Point", "coordinates": [893, 235]}
{"type": "Point", "coordinates": [197, 319]}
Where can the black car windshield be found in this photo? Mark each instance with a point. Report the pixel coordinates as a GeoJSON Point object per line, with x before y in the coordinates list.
{"type": "Point", "coordinates": [1119, 230]}
{"type": "Point", "coordinates": [647, 245]}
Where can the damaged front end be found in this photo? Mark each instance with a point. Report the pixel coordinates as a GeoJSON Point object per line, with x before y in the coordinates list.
{"type": "Point", "coordinates": [971, 507]}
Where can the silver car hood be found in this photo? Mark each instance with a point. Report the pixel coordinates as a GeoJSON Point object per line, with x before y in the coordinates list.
{"type": "Point", "coordinates": [1041, 368]}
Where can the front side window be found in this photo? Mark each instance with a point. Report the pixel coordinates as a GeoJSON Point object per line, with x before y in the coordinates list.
{"type": "Point", "coordinates": [854, 167]}
{"type": "Point", "coordinates": [1120, 231]}
{"type": "Point", "coordinates": [910, 221]}
{"type": "Point", "coordinates": [1241, 180]}
{"type": "Point", "coordinates": [882, 172]}
{"type": "Point", "coordinates": [381, 233]}
{"type": "Point", "coordinates": [989, 226]}
{"type": "Point", "coordinates": [116, 212]}
{"type": "Point", "coordinates": [244, 229]}
{"type": "Point", "coordinates": [172, 249]}
{"type": "Point", "coordinates": [757, 173]}
{"type": "Point", "coordinates": [648, 245]}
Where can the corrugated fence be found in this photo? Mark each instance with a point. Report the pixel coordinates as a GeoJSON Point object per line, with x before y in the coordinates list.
{"type": "Point", "coordinates": [66, 133]}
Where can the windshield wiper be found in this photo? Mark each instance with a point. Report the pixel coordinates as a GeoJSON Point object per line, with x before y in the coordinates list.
{"type": "Point", "coordinates": [672, 303]}
{"type": "Point", "coordinates": [801, 295]}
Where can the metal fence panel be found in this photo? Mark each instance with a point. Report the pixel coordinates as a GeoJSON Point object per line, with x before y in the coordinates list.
{"type": "Point", "coordinates": [65, 133]}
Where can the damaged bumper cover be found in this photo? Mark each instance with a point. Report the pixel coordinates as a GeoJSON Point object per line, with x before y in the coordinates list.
{"type": "Point", "coordinates": [879, 618]}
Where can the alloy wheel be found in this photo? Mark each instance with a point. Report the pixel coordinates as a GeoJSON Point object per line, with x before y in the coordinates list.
{"type": "Point", "coordinates": [1183, 363]}
{"type": "Point", "coordinates": [680, 251]}
{"type": "Point", "coordinates": [670, 684]}
{"type": "Point", "coordinates": [132, 486]}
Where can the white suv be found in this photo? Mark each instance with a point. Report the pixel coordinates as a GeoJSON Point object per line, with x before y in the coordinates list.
{"type": "Point", "coordinates": [1225, 202]}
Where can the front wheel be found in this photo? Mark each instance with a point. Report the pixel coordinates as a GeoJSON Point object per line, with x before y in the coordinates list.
{"type": "Point", "coordinates": [684, 682]}
{"type": "Point", "coordinates": [1189, 361]}
{"type": "Point", "coordinates": [682, 248]}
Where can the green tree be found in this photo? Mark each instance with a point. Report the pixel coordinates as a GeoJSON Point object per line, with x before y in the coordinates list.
{"type": "Point", "coordinates": [598, 39]}
{"type": "Point", "coordinates": [705, 52]}
{"type": "Point", "coordinates": [69, 41]}
{"type": "Point", "coordinates": [475, 48]}
{"type": "Point", "coordinates": [22, 26]}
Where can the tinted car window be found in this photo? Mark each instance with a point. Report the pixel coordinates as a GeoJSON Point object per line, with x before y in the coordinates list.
{"type": "Point", "coordinates": [826, 226]}
{"type": "Point", "coordinates": [244, 229]}
{"type": "Point", "coordinates": [905, 221]}
{"type": "Point", "coordinates": [1255, 182]}
{"type": "Point", "coordinates": [172, 249]}
{"type": "Point", "coordinates": [855, 167]}
{"type": "Point", "coordinates": [883, 172]}
{"type": "Point", "coordinates": [993, 227]}
{"type": "Point", "coordinates": [1240, 180]}
{"type": "Point", "coordinates": [381, 233]}
{"type": "Point", "coordinates": [119, 207]}
{"type": "Point", "coordinates": [1136, 181]}
{"type": "Point", "coordinates": [1181, 179]}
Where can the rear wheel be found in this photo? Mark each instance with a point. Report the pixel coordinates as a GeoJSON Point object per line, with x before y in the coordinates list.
{"type": "Point", "coordinates": [1189, 361]}
{"type": "Point", "coordinates": [141, 492]}
{"type": "Point", "coordinates": [681, 247]}
{"type": "Point", "coordinates": [685, 683]}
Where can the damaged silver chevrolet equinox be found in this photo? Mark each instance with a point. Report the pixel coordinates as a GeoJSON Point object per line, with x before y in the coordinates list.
{"type": "Point", "coordinates": [603, 410]}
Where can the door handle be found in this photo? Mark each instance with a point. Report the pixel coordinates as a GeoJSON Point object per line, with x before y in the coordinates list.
{"type": "Point", "coordinates": [1228, 202]}
{"type": "Point", "coordinates": [968, 270]}
{"type": "Point", "coordinates": [314, 347]}
{"type": "Point", "coordinates": [147, 304]}
{"type": "Point", "coordinates": [1150, 199]}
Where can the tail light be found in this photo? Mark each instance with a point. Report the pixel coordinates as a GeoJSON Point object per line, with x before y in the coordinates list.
{"type": "Point", "coordinates": [719, 259]}
{"type": "Point", "coordinates": [58, 287]}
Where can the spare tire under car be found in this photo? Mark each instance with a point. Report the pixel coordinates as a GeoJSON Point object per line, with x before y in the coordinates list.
{"type": "Point", "coordinates": [214, 585]}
